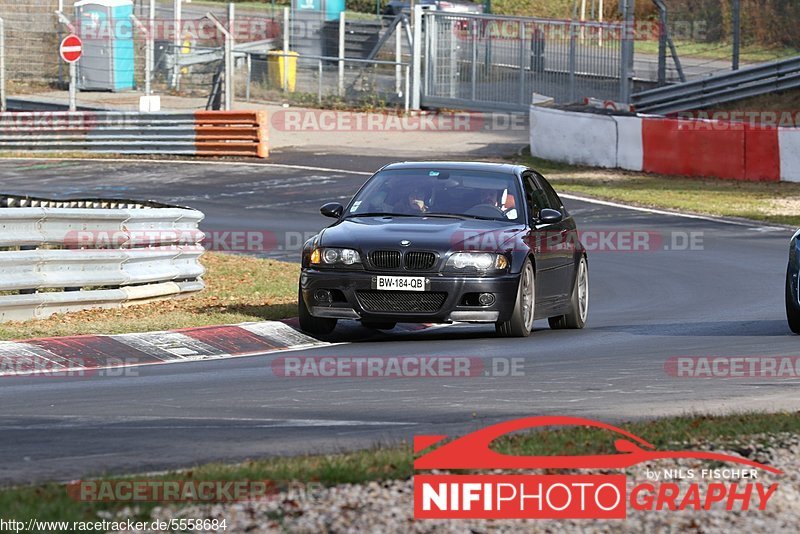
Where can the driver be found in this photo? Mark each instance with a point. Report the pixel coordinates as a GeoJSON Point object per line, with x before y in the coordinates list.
{"type": "Point", "coordinates": [488, 197]}
{"type": "Point", "coordinates": [413, 203]}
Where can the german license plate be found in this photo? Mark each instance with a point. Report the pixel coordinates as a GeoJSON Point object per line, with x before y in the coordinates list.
{"type": "Point", "coordinates": [398, 283]}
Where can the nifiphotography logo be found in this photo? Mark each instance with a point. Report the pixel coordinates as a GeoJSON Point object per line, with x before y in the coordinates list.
{"type": "Point", "coordinates": [573, 496]}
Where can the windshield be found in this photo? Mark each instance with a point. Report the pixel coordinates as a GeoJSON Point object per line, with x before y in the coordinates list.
{"type": "Point", "coordinates": [431, 192]}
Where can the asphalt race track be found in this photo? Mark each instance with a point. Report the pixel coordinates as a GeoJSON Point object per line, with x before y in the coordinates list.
{"type": "Point", "coordinates": [723, 299]}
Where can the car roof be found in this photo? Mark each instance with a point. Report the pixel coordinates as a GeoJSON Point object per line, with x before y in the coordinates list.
{"type": "Point", "coordinates": [457, 165]}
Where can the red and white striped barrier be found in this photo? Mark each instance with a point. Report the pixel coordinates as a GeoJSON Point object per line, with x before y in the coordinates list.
{"type": "Point", "coordinates": [687, 147]}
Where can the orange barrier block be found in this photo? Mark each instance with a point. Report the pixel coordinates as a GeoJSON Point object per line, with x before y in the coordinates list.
{"type": "Point", "coordinates": [232, 133]}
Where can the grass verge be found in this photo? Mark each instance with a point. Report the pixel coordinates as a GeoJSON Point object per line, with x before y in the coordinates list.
{"type": "Point", "coordinates": [51, 502]}
{"type": "Point", "coordinates": [238, 289]}
{"type": "Point", "coordinates": [753, 53]}
{"type": "Point", "coordinates": [769, 202]}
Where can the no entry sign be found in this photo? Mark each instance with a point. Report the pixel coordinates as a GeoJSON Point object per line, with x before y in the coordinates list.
{"type": "Point", "coordinates": [71, 48]}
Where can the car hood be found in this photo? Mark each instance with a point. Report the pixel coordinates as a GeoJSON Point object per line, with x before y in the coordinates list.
{"type": "Point", "coordinates": [433, 233]}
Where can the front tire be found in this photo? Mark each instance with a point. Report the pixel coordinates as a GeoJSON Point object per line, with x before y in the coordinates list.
{"type": "Point", "coordinates": [315, 326]}
{"type": "Point", "coordinates": [575, 318]}
{"type": "Point", "coordinates": [792, 313]}
{"type": "Point", "coordinates": [521, 322]}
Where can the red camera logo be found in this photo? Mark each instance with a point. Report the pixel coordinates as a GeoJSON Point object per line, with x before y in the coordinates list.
{"type": "Point", "coordinates": [569, 496]}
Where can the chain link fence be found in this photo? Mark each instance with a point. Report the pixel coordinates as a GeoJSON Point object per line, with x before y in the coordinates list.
{"type": "Point", "coordinates": [486, 61]}
{"type": "Point", "coordinates": [32, 36]}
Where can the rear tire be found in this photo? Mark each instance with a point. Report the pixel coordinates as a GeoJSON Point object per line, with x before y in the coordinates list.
{"type": "Point", "coordinates": [521, 322]}
{"type": "Point", "coordinates": [315, 326]}
{"type": "Point", "coordinates": [377, 325]}
{"type": "Point", "coordinates": [575, 318]}
{"type": "Point", "coordinates": [792, 313]}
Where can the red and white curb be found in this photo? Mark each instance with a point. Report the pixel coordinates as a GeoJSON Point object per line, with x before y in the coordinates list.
{"type": "Point", "coordinates": [94, 352]}
{"type": "Point", "coordinates": [59, 356]}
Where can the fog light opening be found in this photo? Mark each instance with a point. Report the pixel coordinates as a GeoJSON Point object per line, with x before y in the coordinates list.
{"type": "Point", "coordinates": [486, 299]}
{"type": "Point", "coordinates": [323, 296]}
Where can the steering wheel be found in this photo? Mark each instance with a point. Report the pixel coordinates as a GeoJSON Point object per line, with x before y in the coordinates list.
{"type": "Point", "coordinates": [486, 210]}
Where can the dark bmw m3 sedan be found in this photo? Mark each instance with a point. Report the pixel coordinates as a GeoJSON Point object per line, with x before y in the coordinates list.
{"type": "Point", "coordinates": [793, 285]}
{"type": "Point", "coordinates": [438, 242]}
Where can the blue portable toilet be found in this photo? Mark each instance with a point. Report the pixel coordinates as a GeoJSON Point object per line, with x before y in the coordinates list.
{"type": "Point", "coordinates": [328, 9]}
{"type": "Point", "coordinates": [106, 29]}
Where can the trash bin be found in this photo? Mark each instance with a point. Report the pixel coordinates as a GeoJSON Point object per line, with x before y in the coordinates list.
{"type": "Point", "coordinates": [106, 29]}
{"type": "Point", "coordinates": [282, 65]}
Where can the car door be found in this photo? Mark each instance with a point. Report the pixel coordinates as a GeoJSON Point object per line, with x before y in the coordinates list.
{"type": "Point", "coordinates": [563, 237]}
{"type": "Point", "coordinates": [539, 240]}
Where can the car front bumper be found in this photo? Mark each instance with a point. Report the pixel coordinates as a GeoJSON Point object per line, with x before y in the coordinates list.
{"type": "Point", "coordinates": [349, 288]}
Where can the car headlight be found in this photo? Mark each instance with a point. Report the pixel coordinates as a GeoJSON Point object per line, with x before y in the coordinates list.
{"type": "Point", "coordinates": [335, 256]}
{"type": "Point", "coordinates": [479, 261]}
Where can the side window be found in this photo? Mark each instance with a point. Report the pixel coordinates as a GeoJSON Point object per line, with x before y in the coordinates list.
{"type": "Point", "coordinates": [552, 198]}
{"type": "Point", "coordinates": [531, 198]}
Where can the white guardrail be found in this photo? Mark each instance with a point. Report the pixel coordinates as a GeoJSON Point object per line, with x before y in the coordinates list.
{"type": "Point", "coordinates": [60, 256]}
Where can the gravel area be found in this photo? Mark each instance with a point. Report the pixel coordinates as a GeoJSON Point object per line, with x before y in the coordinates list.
{"type": "Point", "coordinates": [387, 506]}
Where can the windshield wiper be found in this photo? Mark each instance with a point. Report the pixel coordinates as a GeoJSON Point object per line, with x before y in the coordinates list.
{"type": "Point", "coordinates": [381, 214]}
{"type": "Point", "coordinates": [447, 215]}
{"type": "Point", "coordinates": [462, 217]}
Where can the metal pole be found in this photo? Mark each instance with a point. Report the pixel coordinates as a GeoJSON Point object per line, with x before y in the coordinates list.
{"type": "Point", "coordinates": [286, 29]}
{"type": "Point", "coordinates": [151, 21]}
{"type": "Point", "coordinates": [286, 33]}
{"type": "Point", "coordinates": [249, 75]}
{"type": "Point", "coordinates": [230, 66]}
{"type": "Point", "coordinates": [626, 55]}
{"type": "Point", "coordinates": [572, 65]}
{"type": "Point", "coordinates": [176, 40]}
{"type": "Point", "coordinates": [73, 71]}
{"type": "Point", "coordinates": [523, 45]}
{"type": "Point", "coordinates": [583, 19]}
{"type": "Point", "coordinates": [148, 54]}
{"type": "Point", "coordinates": [406, 92]}
{"type": "Point", "coordinates": [662, 46]}
{"type": "Point", "coordinates": [474, 73]}
{"type": "Point", "coordinates": [228, 55]}
{"type": "Point", "coordinates": [416, 58]}
{"type": "Point", "coordinates": [319, 81]}
{"type": "Point", "coordinates": [398, 57]}
{"type": "Point", "coordinates": [601, 27]}
{"type": "Point", "coordinates": [2, 65]}
{"type": "Point", "coordinates": [341, 53]}
{"type": "Point", "coordinates": [737, 33]}
{"type": "Point", "coordinates": [73, 75]}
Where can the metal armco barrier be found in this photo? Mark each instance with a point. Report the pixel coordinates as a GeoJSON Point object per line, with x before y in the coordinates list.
{"type": "Point", "coordinates": [201, 133]}
{"type": "Point", "coordinates": [721, 88]}
{"type": "Point", "coordinates": [60, 256]}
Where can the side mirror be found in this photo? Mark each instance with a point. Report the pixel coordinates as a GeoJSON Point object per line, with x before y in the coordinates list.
{"type": "Point", "coordinates": [548, 216]}
{"type": "Point", "coordinates": [332, 209]}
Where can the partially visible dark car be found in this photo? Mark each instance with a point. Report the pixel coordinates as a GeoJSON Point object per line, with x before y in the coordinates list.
{"type": "Point", "coordinates": [395, 7]}
{"type": "Point", "coordinates": [792, 285]}
{"type": "Point", "coordinates": [446, 242]}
